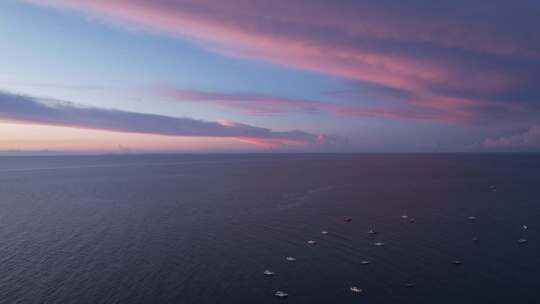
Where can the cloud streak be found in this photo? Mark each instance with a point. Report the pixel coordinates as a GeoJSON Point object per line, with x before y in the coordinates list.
{"type": "Point", "coordinates": [455, 56]}
{"type": "Point", "coordinates": [452, 110]}
{"type": "Point", "coordinates": [30, 110]}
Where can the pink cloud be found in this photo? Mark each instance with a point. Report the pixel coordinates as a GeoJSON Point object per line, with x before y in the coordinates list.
{"type": "Point", "coordinates": [403, 46]}
{"type": "Point", "coordinates": [301, 36]}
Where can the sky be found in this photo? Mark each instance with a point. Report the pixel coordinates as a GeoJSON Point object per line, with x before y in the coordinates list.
{"type": "Point", "coordinates": [212, 76]}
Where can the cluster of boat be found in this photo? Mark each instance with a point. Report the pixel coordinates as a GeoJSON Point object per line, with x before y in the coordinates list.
{"type": "Point", "coordinates": [354, 289]}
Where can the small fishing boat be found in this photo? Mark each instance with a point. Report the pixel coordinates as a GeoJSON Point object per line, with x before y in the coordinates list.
{"type": "Point", "coordinates": [364, 262]}
{"type": "Point", "coordinates": [458, 262]}
{"type": "Point", "coordinates": [372, 231]}
{"type": "Point", "coordinates": [268, 273]}
{"type": "Point", "coordinates": [311, 242]}
{"type": "Point", "coordinates": [379, 244]}
{"type": "Point", "coordinates": [324, 232]}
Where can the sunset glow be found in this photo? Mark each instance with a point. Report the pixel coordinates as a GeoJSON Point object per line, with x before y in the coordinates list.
{"type": "Point", "coordinates": [313, 76]}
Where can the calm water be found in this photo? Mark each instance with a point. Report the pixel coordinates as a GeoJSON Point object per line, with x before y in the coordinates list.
{"type": "Point", "coordinates": [202, 229]}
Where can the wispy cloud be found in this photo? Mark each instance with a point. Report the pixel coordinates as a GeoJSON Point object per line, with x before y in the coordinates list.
{"type": "Point", "coordinates": [249, 103]}
{"type": "Point", "coordinates": [453, 110]}
{"type": "Point", "coordinates": [455, 56]}
{"type": "Point", "coordinates": [31, 110]}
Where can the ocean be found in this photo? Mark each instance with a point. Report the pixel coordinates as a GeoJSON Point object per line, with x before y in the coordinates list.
{"type": "Point", "coordinates": [203, 228]}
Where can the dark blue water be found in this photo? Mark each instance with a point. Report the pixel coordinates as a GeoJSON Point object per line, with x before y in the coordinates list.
{"type": "Point", "coordinates": [202, 229]}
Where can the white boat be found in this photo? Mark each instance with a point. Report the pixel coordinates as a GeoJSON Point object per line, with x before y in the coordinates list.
{"type": "Point", "coordinates": [379, 244]}
{"type": "Point", "coordinates": [324, 232]}
{"type": "Point", "coordinates": [356, 289]}
{"type": "Point", "coordinates": [290, 259]}
{"type": "Point", "coordinates": [522, 241]}
{"type": "Point", "coordinates": [311, 242]}
{"type": "Point", "coordinates": [472, 218]}
{"type": "Point", "coordinates": [281, 294]}
{"type": "Point", "coordinates": [404, 216]}
{"type": "Point", "coordinates": [372, 231]}
{"type": "Point", "coordinates": [364, 262]}
{"type": "Point", "coordinates": [525, 227]}
{"type": "Point", "coordinates": [458, 262]}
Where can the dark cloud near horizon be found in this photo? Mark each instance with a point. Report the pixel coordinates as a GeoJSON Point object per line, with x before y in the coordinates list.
{"type": "Point", "coordinates": [27, 109]}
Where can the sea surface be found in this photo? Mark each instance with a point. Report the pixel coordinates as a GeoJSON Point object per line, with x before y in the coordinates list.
{"type": "Point", "coordinates": [203, 228]}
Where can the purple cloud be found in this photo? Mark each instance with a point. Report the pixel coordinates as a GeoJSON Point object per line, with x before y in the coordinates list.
{"type": "Point", "coordinates": [27, 109]}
